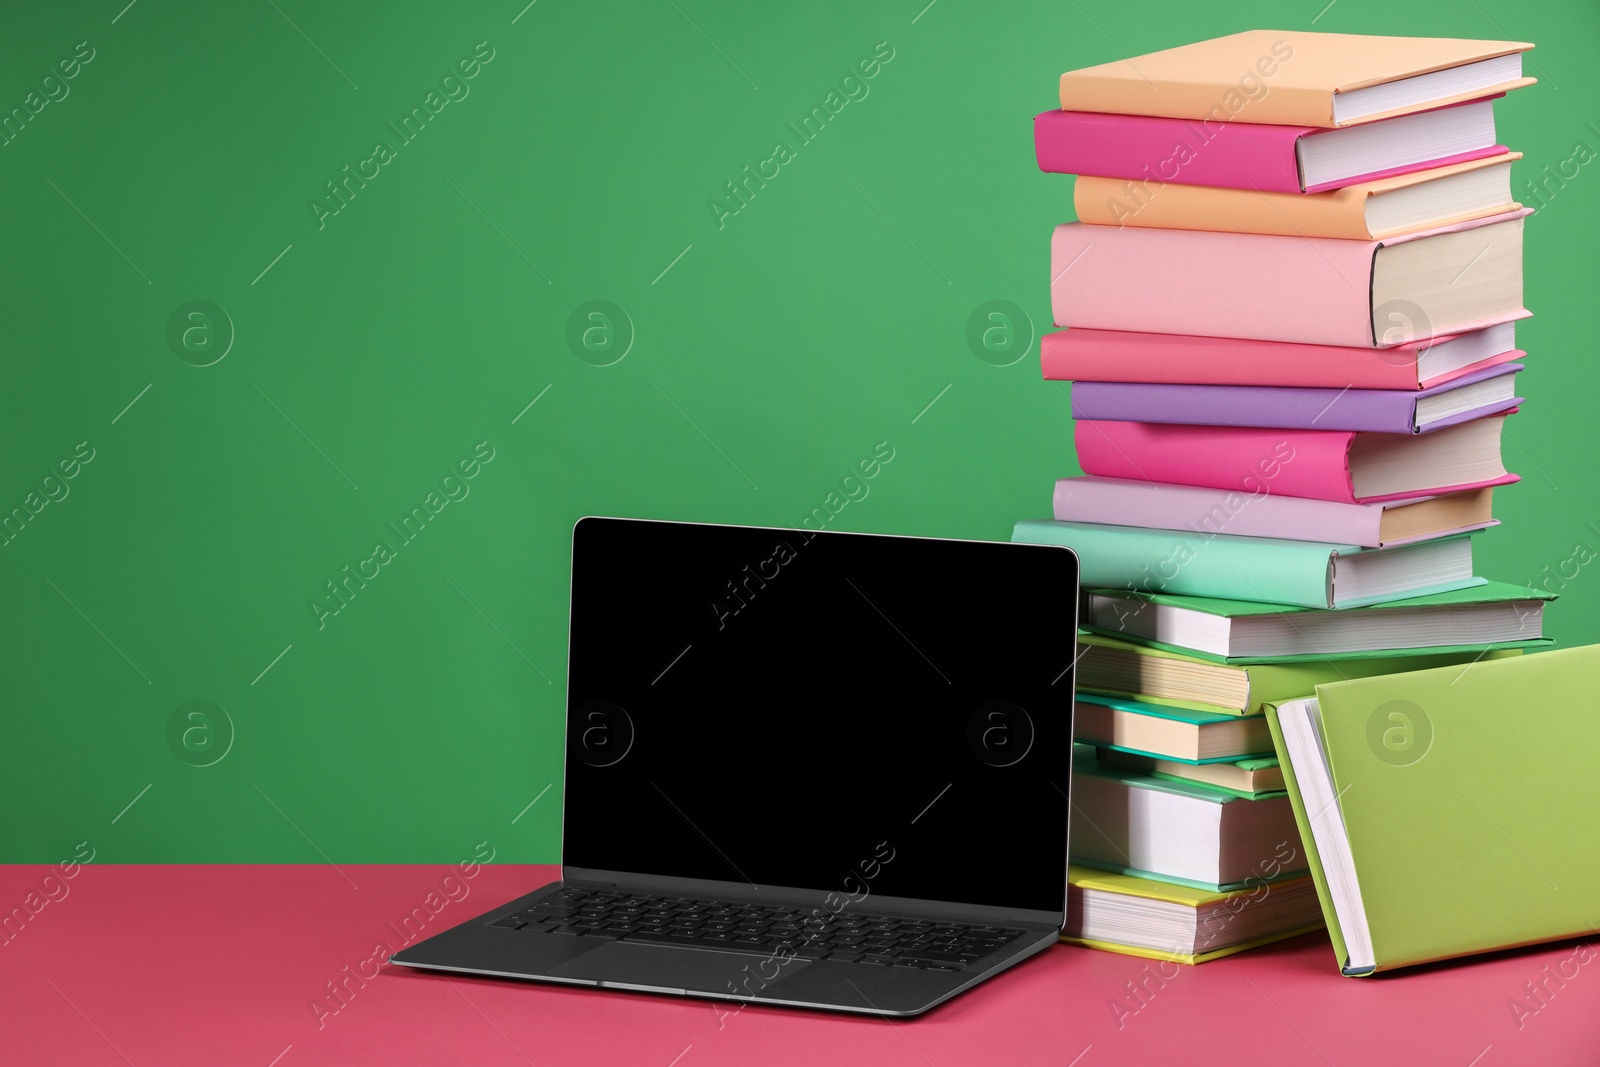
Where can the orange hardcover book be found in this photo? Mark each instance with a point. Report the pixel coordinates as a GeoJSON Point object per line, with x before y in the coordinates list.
{"type": "Point", "coordinates": [1369, 211]}
{"type": "Point", "coordinates": [1298, 78]}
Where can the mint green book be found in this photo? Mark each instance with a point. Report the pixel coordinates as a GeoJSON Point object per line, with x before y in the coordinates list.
{"type": "Point", "coordinates": [1303, 573]}
{"type": "Point", "coordinates": [1452, 811]}
{"type": "Point", "coordinates": [1490, 615]}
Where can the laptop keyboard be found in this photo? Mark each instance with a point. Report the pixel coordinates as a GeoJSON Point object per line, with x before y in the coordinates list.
{"type": "Point", "coordinates": [872, 940]}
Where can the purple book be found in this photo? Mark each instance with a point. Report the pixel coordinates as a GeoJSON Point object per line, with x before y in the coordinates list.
{"type": "Point", "coordinates": [1486, 392]}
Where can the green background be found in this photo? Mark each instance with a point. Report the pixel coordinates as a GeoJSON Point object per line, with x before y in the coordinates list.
{"type": "Point", "coordinates": [769, 355]}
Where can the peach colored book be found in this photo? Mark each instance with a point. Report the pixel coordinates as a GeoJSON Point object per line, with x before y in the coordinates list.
{"type": "Point", "coordinates": [1284, 77]}
{"type": "Point", "coordinates": [1340, 213]}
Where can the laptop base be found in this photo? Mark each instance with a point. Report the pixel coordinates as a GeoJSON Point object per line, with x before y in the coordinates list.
{"type": "Point", "coordinates": [747, 974]}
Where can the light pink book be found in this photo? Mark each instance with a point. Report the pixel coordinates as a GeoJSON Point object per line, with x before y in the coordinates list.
{"type": "Point", "coordinates": [1193, 509]}
{"type": "Point", "coordinates": [1350, 467]}
{"type": "Point", "coordinates": [1305, 290]}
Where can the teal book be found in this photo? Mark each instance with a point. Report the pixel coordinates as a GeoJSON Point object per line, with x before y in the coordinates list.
{"type": "Point", "coordinates": [1300, 573]}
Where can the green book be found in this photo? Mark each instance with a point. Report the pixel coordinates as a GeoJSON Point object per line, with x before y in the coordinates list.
{"type": "Point", "coordinates": [1491, 615]}
{"type": "Point", "coordinates": [1252, 778]}
{"type": "Point", "coordinates": [1305, 573]}
{"type": "Point", "coordinates": [1451, 811]}
{"type": "Point", "coordinates": [1153, 675]}
{"type": "Point", "coordinates": [1168, 733]}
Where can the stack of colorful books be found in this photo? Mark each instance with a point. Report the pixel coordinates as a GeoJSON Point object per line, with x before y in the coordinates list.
{"type": "Point", "coordinates": [1290, 302]}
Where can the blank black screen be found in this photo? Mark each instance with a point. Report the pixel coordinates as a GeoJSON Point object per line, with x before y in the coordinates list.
{"type": "Point", "coordinates": [830, 711]}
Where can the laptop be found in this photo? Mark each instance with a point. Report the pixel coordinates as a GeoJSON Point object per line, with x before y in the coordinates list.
{"type": "Point", "coordinates": [812, 769]}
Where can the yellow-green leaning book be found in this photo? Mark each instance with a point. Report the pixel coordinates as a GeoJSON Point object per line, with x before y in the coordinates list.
{"type": "Point", "coordinates": [1450, 811]}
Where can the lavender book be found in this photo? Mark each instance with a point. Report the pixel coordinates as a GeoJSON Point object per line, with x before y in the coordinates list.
{"type": "Point", "coordinates": [1471, 396]}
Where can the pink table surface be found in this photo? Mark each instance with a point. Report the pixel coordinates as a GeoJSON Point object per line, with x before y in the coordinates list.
{"type": "Point", "coordinates": [213, 965]}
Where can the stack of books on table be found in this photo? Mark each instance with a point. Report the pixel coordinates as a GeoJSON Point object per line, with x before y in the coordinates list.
{"type": "Point", "coordinates": [1291, 299]}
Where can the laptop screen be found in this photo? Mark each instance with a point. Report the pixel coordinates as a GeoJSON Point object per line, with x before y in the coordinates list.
{"type": "Point", "coordinates": [840, 712]}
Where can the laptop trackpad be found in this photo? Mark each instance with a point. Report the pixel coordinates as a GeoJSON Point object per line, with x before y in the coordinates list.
{"type": "Point", "coordinates": [618, 963]}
